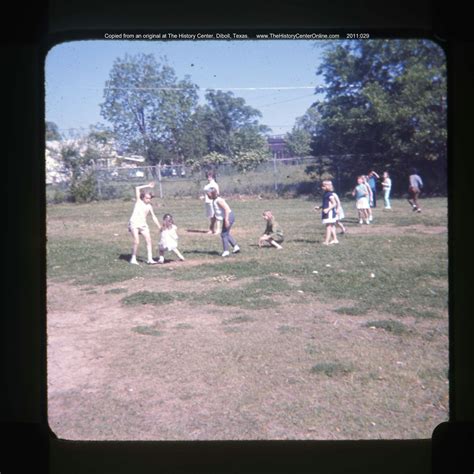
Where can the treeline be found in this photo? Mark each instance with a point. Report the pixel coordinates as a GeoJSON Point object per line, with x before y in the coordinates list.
{"type": "Point", "coordinates": [383, 106]}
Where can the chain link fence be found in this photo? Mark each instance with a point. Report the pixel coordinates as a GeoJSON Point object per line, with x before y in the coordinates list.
{"type": "Point", "coordinates": [286, 177]}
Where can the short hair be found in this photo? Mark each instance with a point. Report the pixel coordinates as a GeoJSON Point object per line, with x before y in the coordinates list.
{"type": "Point", "coordinates": [168, 220]}
{"type": "Point", "coordinates": [143, 194]}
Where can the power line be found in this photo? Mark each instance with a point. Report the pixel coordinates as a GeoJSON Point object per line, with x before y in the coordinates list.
{"type": "Point", "coordinates": [276, 88]}
{"type": "Point", "coordinates": [288, 100]}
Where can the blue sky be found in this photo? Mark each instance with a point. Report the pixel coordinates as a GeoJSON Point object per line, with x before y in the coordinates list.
{"type": "Point", "coordinates": [275, 76]}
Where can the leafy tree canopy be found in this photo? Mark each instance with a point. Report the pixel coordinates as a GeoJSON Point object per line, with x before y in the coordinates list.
{"type": "Point", "coordinates": [385, 100]}
{"type": "Point", "coordinates": [149, 108]}
{"type": "Point", "coordinates": [231, 126]}
{"type": "Point", "coordinates": [156, 115]}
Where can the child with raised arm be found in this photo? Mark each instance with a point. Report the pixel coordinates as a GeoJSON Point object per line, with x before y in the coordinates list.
{"type": "Point", "coordinates": [169, 238]}
{"type": "Point", "coordinates": [370, 197]}
{"type": "Point", "coordinates": [362, 200]}
{"type": "Point", "coordinates": [224, 213]}
{"type": "Point", "coordinates": [372, 178]}
{"type": "Point", "coordinates": [273, 233]}
{"type": "Point", "coordinates": [328, 214]}
{"type": "Point", "coordinates": [138, 224]}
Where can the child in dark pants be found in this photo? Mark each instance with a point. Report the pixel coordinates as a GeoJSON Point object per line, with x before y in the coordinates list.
{"type": "Point", "coordinates": [224, 213]}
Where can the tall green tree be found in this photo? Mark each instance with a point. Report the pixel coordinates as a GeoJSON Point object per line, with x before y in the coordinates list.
{"type": "Point", "coordinates": [231, 126]}
{"type": "Point", "coordinates": [299, 141]}
{"type": "Point", "coordinates": [385, 104]}
{"type": "Point", "coordinates": [149, 108]}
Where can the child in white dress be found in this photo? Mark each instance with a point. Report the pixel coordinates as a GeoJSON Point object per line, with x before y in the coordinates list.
{"type": "Point", "coordinates": [169, 238]}
{"type": "Point", "coordinates": [339, 211]}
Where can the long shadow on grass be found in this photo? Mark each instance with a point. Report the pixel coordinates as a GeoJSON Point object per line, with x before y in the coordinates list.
{"type": "Point", "coordinates": [263, 247]}
{"type": "Point", "coordinates": [128, 256]}
{"type": "Point", "coordinates": [197, 231]}
{"type": "Point", "coordinates": [305, 241]}
{"type": "Point", "coordinates": [203, 252]}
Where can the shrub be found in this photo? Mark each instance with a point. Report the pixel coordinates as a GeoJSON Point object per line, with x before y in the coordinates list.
{"type": "Point", "coordinates": [84, 188]}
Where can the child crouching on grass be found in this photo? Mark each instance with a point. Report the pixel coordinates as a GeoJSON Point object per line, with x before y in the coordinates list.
{"type": "Point", "coordinates": [169, 238]}
{"type": "Point", "coordinates": [273, 233]}
{"type": "Point", "coordinates": [329, 213]}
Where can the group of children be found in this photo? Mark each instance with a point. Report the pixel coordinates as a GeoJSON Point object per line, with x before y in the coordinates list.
{"type": "Point", "coordinates": [138, 225]}
{"type": "Point", "coordinates": [365, 195]}
{"type": "Point", "coordinates": [218, 211]}
{"type": "Point", "coordinates": [221, 217]}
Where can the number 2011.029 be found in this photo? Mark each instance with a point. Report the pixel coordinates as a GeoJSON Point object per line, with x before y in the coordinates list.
{"type": "Point", "coordinates": [357, 36]}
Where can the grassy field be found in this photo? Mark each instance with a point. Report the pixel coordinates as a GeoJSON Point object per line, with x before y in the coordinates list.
{"type": "Point", "coordinates": [347, 341]}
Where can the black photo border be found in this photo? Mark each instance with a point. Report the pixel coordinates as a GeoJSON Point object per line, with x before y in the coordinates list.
{"type": "Point", "coordinates": [27, 38]}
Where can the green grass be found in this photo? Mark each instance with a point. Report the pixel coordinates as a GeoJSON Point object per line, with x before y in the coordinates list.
{"type": "Point", "coordinates": [394, 327]}
{"type": "Point", "coordinates": [332, 369]}
{"type": "Point", "coordinates": [238, 320]}
{"type": "Point", "coordinates": [88, 244]}
{"type": "Point", "coordinates": [116, 291]}
{"type": "Point", "coordinates": [352, 310]}
{"type": "Point", "coordinates": [151, 297]}
{"type": "Point", "coordinates": [147, 331]}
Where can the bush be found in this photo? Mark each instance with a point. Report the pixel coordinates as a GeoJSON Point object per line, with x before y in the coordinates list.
{"type": "Point", "coordinates": [60, 196]}
{"type": "Point", "coordinates": [84, 188]}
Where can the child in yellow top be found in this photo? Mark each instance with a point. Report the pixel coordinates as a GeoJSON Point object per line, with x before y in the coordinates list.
{"type": "Point", "coordinates": [138, 224]}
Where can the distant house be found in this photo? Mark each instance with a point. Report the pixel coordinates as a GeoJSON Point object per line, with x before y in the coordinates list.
{"type": "Point", "coordinates": [56, 172]}
{"type": "Point", "coordinates": [278, 147]}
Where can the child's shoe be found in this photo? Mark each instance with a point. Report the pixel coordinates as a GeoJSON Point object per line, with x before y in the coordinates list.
{"type": "Point", "coordinates": [133, 261]}
{"type": "Point", "coordinates": [161, 259]}
{"type": "Point", "coordinates": [226, 253]}
{"type": "Point", "coordinates": [151, 261]}
{"type": "Point", "coordinates": [236, 249]}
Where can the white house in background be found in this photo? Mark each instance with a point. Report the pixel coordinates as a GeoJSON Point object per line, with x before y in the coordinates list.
{"type": "Point", "coordinates": [57, 173]}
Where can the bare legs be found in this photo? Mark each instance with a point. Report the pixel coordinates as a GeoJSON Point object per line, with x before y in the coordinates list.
{"type": "Point", "coordinates": [136, 242]}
